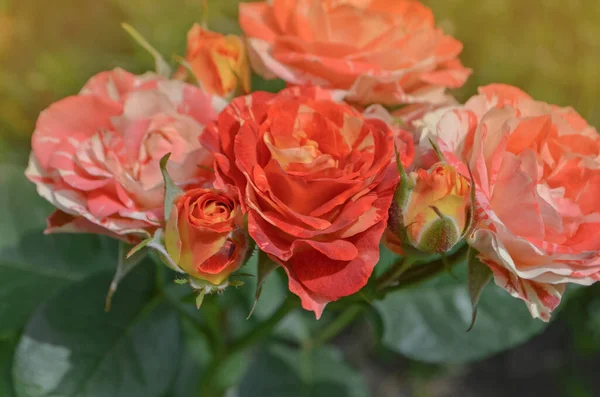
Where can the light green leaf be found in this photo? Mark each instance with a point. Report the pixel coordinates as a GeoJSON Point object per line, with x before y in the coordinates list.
{"type": "Point", "coordinates": [405, 186]}
{"type": "Point", "coordinates": [478, 277]}
{"type": "Point", "coordinates": [428, 322]}
{"type": "Point", "coordinates": [283, 371]}
{"type": "Point", "coordinates": [171, 189]}
{"type": "Point", "coordinates": [138, 247]}
{"type": "Point", "coordinates": [162, 67]}
{"type": "Point", "coordinates": [266, 266]}
{"type": "Point", "coordinates": [199, 299]}
{"type": "Point", "coordinates": [126, 263]}
{"type": "Point", "coordinates": [33, 266]}
{"type": "Point", "coordinates": [71, 347]}
{"type": "Point", "coordinates": [437, 150]}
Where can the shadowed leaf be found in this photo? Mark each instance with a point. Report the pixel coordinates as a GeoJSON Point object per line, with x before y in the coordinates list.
{"type": "Point", "coordinates": [478, 277]}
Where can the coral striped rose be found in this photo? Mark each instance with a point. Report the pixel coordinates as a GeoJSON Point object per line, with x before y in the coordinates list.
{"type": "Point", "coordinates": [379, 51]}
{"type": "Point", "coordinates": [315, 179]}
{"type": "Point", "coordinates": [204, 237]}
{"type": "Point", "coordinates": [537, 172]}
{"type": "Point", "coordinates": [95, 155]}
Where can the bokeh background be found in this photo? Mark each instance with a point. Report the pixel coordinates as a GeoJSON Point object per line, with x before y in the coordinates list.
{"type": "Point", "coordinates": [550, 48]}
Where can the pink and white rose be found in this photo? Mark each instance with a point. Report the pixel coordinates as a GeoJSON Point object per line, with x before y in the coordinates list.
{"type": "Point", "coordinates": [96, 155]}
{"type": "Point", "coordinates": [536, 168]}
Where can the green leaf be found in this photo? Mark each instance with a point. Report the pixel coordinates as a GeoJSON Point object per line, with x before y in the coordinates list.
{"type": "Point", "coordinates": [406, 184]}
{"type": "Point", "coordinates": [33, 266]}
{"type": "Point", "coordinates": [296, 326]}
{"type": "Point", "coordinates": [7, 347]}
{"type": "Point", "coordinates": [162, 67]}
{"type": "Point", "coordinates": [437, 150]}
{"type": "Point", "coordinates": [138, 247]}
{"type": "Point", "coordinates": [260, 84]}
{"type": "Point", "coordinates": [266, 266]}
{"type": "Point", "coordinates": [21, 208]}
{"type": "Point", "coordinates": [470, 223]}
{"type": "Point", "coordinates": [171, 189]}
{"type": "Point", "coordinates": [195, 360]}
{"type": "Point", "coordinates": [71, 347]}
{"type": "Point", "coordinates": [478, 277]}
{"type": "Point", "coordinates": [387, 259]}
{"type": "Point", "coordinates": [283, 371]}
{"type": "Point", "coordinates": [232, 371]}
{"type": "Point", "coordinates": [428, 322]}
{"type": "Point", "coordinates": [199, 299]}
{"type": "Point", "coordinates": [126, 263]}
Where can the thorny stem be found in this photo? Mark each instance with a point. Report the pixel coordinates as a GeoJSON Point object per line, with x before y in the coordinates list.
{"type": "Point", "coordinates": [402, 274]}
{"type": "Point", "coordinates": [333, 329]}
{"type": "Point", "coordinates": [258, 333]}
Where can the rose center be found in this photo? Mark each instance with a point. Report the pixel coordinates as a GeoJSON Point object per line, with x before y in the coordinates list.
{"type": "Point", "coordinates": [215, 211]}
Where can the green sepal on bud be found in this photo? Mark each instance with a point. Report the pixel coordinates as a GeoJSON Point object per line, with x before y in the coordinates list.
{"type": "Point", "coordinates": [478, 277]}
{"type": "Point", "coordinates": [171, 189]}
{"type": "Point", "coordinates": [440, 236]}
{"type": "Point", "coordinates": [432, 209]}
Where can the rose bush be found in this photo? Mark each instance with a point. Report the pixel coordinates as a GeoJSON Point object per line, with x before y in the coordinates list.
{"type": "Point", "coordinates": [204, 235]}
{"type": "Point", "coordinates": [537, 172]}
{"type": "Point", "coordinates": [96, 155]}
{"type": "Point", "coordinates": [379, 51]}
{"type": "Point", "coordinates": [217, 61]}
{"type": "Point", "coordinates": [315, 179]}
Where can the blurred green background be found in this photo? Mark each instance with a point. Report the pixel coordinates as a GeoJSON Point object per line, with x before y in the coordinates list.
{"type": "Point", "coordinates": [550, 48]}
{"type": "Point", "coordinates": [48, 50]}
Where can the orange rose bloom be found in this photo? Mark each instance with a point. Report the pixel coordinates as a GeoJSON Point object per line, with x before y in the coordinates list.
{"type": "Point", "coordinates": [316, 181]}
{"type": "Point", "coordinates": [379, 51]}
{"type": "Point", "coordinates": [218, 61]}
{"type": "Point", "coordinates": [203, 236]}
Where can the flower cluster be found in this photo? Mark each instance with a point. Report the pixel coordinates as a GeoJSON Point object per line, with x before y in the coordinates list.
{"type": "Point", "coordinates": [365, 146]}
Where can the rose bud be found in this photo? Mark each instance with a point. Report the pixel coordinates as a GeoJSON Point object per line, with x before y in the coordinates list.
{"type": "Point", "coordinates": [432, 213]}
{"type": "Point", "coordinates": [218, 62]}
{"type": "Point", "coordinates": [203, 236]}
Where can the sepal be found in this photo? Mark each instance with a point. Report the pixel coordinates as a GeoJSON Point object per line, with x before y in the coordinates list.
{"type": "Point", "coordinates": [162, 67]}
{"type": "Point", "coordinates": [171, 189]}
{"type": "Point", "coordinates": [478, 277]}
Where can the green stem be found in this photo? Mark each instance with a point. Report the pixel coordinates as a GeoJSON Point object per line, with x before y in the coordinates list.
{"type": "Point", "coordinates": [390, 276]}
{"type": "Point", "coordinates": [334, 328]}
{"type": "Point", "coordinates": [214, 339]}
{"type": "Point", "coordinates": [263, 329]}
{"type": "Point", "coordinates": [259, 332]}
{"type": "Point", "coordinates": [425, 271]}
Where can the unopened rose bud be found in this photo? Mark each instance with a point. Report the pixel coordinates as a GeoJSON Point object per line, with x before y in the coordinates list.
{"type": "Point", "coordinates": [433, 213]}
{"type": "Point", "coordinates": [203, 235]}
{"type": "Point", "coordinates": [218, 62]}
